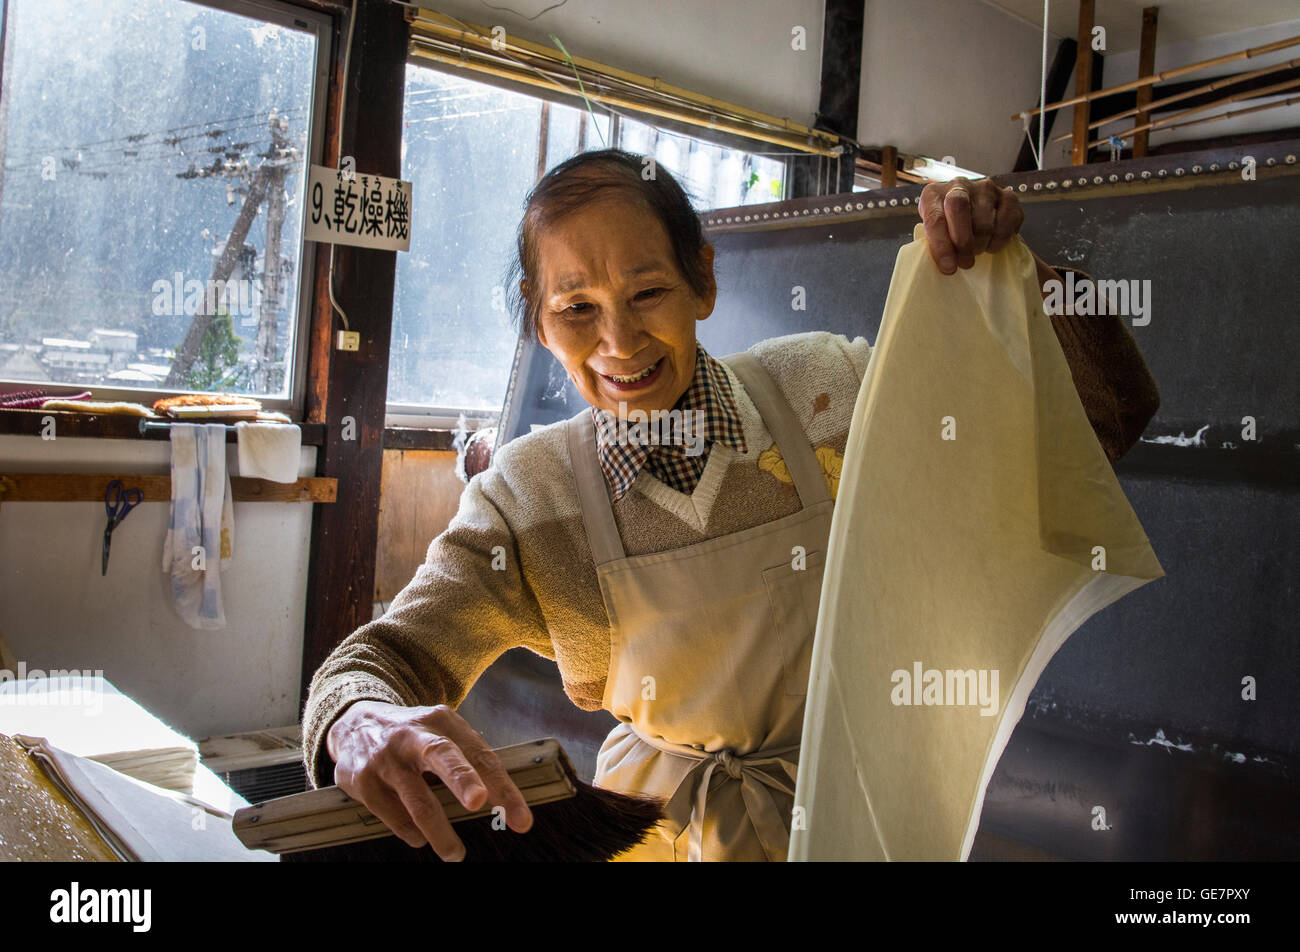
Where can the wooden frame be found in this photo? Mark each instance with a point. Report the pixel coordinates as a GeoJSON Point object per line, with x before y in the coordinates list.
{"type": "Point", "coordinates": [90, 487]}
{"type": "Point", "coordinates": [341, 570]}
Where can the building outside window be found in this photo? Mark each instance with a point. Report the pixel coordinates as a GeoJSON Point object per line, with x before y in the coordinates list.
{"type": "Point", "coordinates": [132, 134]}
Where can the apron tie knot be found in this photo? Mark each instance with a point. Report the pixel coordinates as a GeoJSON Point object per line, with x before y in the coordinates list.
{"type": "Point", "coordinates": [729, 762]}
{"type": "Point", "coordinates": [687, 804]}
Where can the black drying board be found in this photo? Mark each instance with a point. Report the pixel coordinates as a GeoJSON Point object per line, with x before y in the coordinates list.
{"type": "Point", "coordinates": [1158, 675]}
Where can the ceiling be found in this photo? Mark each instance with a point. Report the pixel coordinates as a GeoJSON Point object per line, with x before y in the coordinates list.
{"type": "Point", "coordinates": [1179, 19]}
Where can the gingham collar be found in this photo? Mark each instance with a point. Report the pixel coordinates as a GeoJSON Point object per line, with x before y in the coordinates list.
{"type": "Point", "coordinates": [708, 399]}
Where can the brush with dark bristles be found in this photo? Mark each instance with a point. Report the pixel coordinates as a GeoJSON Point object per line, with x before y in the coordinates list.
{"type": "Point", "coordinates": [572, 821]}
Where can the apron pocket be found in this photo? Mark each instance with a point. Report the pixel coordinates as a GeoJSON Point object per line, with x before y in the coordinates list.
{"type": "Point", "coordinates": [794, 595]}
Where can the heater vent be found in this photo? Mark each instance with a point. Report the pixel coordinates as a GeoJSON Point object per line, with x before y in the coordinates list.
{"type": "Point", "coordinates": [258, 765]}
{"type": "Point", "coordinates": [267, 782]}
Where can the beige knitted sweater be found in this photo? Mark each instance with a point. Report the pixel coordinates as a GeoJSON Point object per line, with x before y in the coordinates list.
{"type": "Point", "coordinates": [513, 567]}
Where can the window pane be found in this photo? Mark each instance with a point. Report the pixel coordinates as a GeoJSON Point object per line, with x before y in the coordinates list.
{"type": "Point", "coordinates": [714, 176]}
{"type": "Point", "coordinates": [134, 131]}
{"type": "Point", "coordinates": [470, 151]}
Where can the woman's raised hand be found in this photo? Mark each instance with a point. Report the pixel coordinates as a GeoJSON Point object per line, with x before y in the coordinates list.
{"type": "Point", "coordinates": [964, 218]}
{"type": "Point", "coordinates": [381, 752]}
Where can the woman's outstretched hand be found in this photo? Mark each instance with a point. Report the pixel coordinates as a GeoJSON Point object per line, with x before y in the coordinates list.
{"type": "Point", "coordinates": [382, 751]}
{"type": "Point", "coordinates": [964, 218]}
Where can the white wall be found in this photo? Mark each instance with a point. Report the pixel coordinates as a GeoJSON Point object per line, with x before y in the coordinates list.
{"type": "Point", "coordinates": [56, 611]}
{"type": "Point", "coordinates": [736, 51]}
{"type": "Point", "coordinates": [942, 77]}
{"type": "Point", "coordinates": [1123, 67]}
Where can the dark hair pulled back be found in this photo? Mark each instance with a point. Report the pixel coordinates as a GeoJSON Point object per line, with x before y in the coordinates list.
{"type": "Point", "coordinates": [577, 182]}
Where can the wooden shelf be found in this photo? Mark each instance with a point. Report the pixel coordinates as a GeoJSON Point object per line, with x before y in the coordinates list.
{"type": "Point", "coordinates": [114, 426]}
{"type": "Point", "coordinates": [90, 487]}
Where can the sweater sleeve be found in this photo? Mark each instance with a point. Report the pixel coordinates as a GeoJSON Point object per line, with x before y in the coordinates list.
{"type": "Point", "coordinates": [467, 604]}
{"type": "Point", "coordinates": [1113, 381]}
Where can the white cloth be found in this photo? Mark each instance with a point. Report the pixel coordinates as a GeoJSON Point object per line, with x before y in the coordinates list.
{"type": "Point", "coordinates": [977, 555]}
{"type": "Point", "coordinates": [201, 526]}
{"type": "Point", "coordinates": [269, 450]}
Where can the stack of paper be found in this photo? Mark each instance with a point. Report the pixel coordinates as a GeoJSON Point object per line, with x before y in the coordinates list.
{"type": "Point", "coordinates": [88, 717]}
{"type": "Point", "coordinates": [141, 823]}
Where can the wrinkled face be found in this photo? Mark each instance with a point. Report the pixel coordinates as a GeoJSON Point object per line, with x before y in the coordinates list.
{"type": "Point", "coordinates": [615, 309]}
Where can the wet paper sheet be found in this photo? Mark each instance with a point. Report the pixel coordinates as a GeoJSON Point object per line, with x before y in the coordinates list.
{"type": "Point", "coordinates": [978, 524]}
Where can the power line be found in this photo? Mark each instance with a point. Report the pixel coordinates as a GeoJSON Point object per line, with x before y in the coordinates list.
{"type": "Point", "coordinates": [168, 136]}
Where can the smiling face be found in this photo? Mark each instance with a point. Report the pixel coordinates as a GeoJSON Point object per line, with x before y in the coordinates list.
{"type": "Point", "coordinates": [615, 309]}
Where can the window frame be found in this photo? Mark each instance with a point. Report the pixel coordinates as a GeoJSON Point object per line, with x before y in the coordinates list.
{"type": "Point", "coordinates": [420, 416]}
{"type": "Point", "coordinates": [285, 14]}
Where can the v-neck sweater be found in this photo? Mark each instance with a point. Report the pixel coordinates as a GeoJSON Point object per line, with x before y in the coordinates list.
{"type": "Point", "coordinates": [514, 568]}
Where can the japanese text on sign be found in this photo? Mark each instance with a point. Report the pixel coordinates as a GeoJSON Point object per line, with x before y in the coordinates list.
{"type": "Point", "coordinates": [369, 211]}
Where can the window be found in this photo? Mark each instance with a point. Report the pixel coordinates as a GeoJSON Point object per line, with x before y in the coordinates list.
{"type": "Point", "coordinates": [472, 152]}
{"type": "Point", "coordinates": [132, 134]}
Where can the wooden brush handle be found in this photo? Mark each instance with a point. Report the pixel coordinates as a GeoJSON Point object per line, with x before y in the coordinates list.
{"type": "Point", "coordinates": [329, 817]}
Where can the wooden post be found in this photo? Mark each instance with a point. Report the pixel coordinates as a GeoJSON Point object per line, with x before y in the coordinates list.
{"type": "Point", "coordinates": [888, 166]}
{"type": "Point", "coordinates": [1082, 82]}
{"type": "Point", "coordinates": [1146, 66]}
{"type": "Point", "coordinates": [837, 104]}
{"type": "Point", "coordinates": [343, 385]}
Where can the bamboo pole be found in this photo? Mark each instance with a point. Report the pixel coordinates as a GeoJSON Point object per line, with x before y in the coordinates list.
{"type": "Point", "coordinates": [1208, 87]}
{"type": "Point", "coordinates": [790, 141]}
{"type": "Point", "coordinates": [431, 26]}
{"type": "Point", "coordinates": [1164, 123]}
{"type": "Point", "coordinates": [1239, 112]}
{"type": "Point", "coordinates": [1164, 75]}
{"type": "Point", "coordinates": [876, 169]}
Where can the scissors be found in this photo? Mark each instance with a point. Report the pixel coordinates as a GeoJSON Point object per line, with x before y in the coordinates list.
{"type": "Point", "coordinates": [118, 502]}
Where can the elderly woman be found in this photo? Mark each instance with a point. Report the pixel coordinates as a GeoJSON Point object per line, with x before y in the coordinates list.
{"type": "Point", "coordinates": [657, 575]}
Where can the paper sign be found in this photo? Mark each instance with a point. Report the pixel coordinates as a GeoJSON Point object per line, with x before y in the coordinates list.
{"type": "Point", "coordinates": [368, 211]}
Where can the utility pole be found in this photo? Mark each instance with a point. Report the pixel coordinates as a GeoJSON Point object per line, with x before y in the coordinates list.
{"type": "Point", "coordinates": [281, 153]}
{"type": "Point", "coordinates": [266, 182]}
{"type": "Point", "coordinates": [188, 351]}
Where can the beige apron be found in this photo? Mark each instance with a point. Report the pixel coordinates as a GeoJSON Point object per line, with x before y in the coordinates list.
{"type": "Point", "coordinates": [709, 656]}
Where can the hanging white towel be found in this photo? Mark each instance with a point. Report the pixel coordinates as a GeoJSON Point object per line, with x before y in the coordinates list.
{"type": "Point", "coordinates": [977, 525]}
{"type": "Point", "coordinates": [269, 450]}
{"type": "Point", "coordinates": [201, 527]}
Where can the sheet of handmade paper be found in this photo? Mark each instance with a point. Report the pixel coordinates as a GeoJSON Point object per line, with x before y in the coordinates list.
{"type": "Point", "coordinates": [978, 524]}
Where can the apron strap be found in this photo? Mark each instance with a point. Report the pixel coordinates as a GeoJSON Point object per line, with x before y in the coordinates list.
{"type": "Point", "coordinates": [593, 491]}
{"type": "Point", "coordinates": [784, 427]}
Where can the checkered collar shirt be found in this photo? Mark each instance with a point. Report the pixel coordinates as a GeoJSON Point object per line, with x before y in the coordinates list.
{"type": "Point", "coordinates": [708, 416]}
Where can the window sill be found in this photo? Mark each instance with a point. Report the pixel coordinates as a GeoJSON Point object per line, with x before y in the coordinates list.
{"type": "Point", "coordinates": [111, 426]}
{"type": "Point", "coordinates": [418, 438]}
